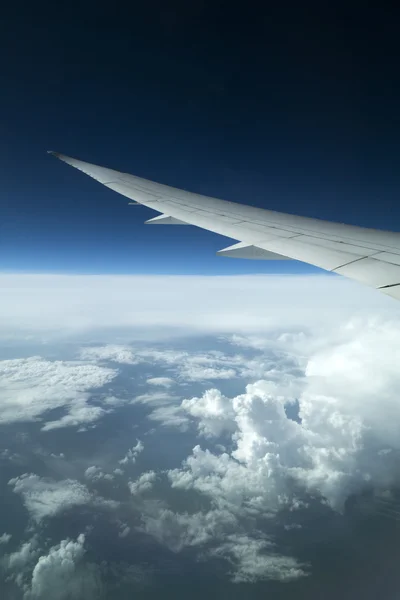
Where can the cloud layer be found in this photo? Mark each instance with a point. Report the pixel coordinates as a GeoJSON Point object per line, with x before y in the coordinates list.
{"type": "Point", "coordinates": [297, 408]}
{"type": "Point", "coordinates": [69, 305]}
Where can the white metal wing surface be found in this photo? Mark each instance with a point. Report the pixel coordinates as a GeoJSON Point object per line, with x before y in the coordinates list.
{"type": "Point", "coordinates": [370, 256]}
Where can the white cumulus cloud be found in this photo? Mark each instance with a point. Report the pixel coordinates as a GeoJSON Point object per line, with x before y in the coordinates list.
{"type": "Point", "coordinates": [94, 473]}
{"type": "Point", "coordinates": [349, 412]}
{"type": "Point", "coordinates": [22, 557]}
{"type": "Point", "coordinates": [214, 412]}
{"type": "Point", "coordinates": [132, 454]}
{"type": "Point", "coordinates": [144, 483]}
{"type": "Point", "coordinates": [62, 574]}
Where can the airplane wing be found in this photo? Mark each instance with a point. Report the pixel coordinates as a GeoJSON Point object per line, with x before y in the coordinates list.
{"type": "Point", "coordinates": [369, 256]}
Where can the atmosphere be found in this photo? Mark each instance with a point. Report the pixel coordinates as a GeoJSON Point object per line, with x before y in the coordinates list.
{"type": "Point", "coordinates": [285, 109]}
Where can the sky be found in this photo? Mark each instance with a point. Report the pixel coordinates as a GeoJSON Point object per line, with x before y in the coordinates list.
{"type": "Point", "coordinates": [293, 110]}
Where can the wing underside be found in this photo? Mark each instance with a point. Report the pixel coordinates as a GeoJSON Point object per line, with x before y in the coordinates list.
{"type": "Point", "coordinates": [369, 256]}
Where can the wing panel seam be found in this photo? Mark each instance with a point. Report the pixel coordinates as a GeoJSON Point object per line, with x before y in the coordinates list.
{"type": "Point", "coordinates": [353, 261]}
{"type": "Point", "coordinates": [273, 224]}
{"type": "Point", "coordinates": [383, 287]}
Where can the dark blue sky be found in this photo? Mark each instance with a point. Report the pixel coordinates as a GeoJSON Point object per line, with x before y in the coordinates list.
{"type": "Point", "coordinates": [285, 109]}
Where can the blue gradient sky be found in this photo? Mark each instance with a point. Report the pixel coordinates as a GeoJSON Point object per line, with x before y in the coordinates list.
{"type": "Point", "coordinates": [283, 110]}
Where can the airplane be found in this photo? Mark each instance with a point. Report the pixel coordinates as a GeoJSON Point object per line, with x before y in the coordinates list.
{"type": "Point", "coordinates": [369, 256]}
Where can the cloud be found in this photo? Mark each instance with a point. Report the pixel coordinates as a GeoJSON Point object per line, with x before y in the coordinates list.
{"type": "Point", "coordinates": [124, 530]}
{"type": "Point", "coordinates": [144, 483]}
{"type": "Point", "coordinates": [214, 413]}
{"type": "Point", "coordinates": [217, 531]}
{"type": "Point", "coordinates": [194, 366]}
{"type": "Point", "coordinates": [344, 441]}
{"type": "Point", "coordinates": [110, 353]}
{"type": "Point", "coordinates": [132, 454]}
{"type": "Point", "coordinates": [166, 409]}
{"type": "Point", "coordinates": [170, 416]}
{"type": "Point", "coordinates": [67, 305]}
{"type": "Point", "coordinates": [230, 483]}
{"type": "Point", "coordinates": [113, 401]}
{"type": "Point", "coordinates": [188, 366]}
{"type": "Point", "coordinates": [155, 398]}
{"type": "Point", "coordinates": [161, 381]}
{"type": "Point", "coordinates": [313, 348]}
{"type": "Point", "coordinates": [255, 559]}
{"type": "Point", "coordinates": [45, 498]}
{"type": "Point", "coordinates": [349, 416]}
{"type": "Point", "coordinates": [5, 538]}
{"type": "Point", "coordinates": [180, 530]}
{"type": "Point", "coordinates": [18, 560]}
{"type": "Point", "coordinates": [30, 387]}
{"type": "Point", "coordinates": [201, 373]}
{"type": "Point", "coordinates": [62, 574]}
{"type": "Point", "coordinates": [78, 416]}
{"type": "Point", "coordinates": [95, 474]}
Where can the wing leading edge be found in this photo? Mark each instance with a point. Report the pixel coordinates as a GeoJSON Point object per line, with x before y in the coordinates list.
{"type": "Point", "coordinates": [370, 256]}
